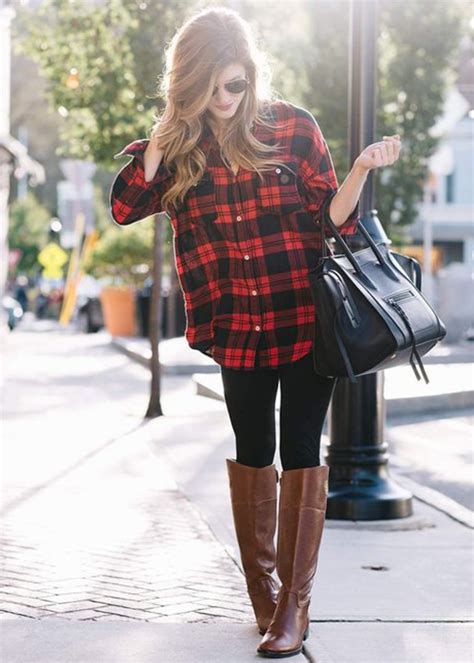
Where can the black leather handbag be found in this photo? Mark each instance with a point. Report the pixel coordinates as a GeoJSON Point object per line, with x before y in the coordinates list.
{"type": "Point", "coordinates": [370, 312]}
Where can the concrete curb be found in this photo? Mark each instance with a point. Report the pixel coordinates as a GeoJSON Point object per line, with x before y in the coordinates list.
{"type": "Point", "coordinates": [176, 358]}
{"type": "Point", "coordinates": [210, 386]}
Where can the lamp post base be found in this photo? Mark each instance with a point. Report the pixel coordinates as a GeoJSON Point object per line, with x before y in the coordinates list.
{"type": "Point", "coordinates": [366, 495]}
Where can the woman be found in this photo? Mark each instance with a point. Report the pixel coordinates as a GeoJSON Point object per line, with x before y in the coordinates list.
{"type": "Point", "coordinates": [243, 176]}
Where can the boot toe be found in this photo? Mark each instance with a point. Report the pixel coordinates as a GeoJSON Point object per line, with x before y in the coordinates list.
{"type": "Point", "coordinates": [277, 647]}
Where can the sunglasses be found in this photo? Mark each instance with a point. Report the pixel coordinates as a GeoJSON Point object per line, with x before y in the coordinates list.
{"type": "Point", "coordinates": [234, 87]}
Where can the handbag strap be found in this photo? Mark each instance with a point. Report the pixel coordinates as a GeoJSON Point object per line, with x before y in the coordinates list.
{"type": "Point", "coordinates": [326, 220]}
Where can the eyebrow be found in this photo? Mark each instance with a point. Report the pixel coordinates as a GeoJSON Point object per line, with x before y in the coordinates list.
{"type": "Point", "coordinates": [233, 79]}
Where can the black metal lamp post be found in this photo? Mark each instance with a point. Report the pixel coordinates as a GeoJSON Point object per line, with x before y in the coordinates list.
{"type": "Point", "coordinates": [360, 487]}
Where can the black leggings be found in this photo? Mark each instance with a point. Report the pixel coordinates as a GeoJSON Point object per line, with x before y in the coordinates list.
{"type": "Point", "coordinates": [250, 399]}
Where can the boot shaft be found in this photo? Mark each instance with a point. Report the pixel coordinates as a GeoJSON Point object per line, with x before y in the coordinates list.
{"type": "Point", "coordinates": [301, 518]}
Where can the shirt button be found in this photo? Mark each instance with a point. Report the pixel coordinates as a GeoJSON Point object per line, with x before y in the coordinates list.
{"type": "Point", "coordinates": [257, 327]}
{"type": "Point", "coordinates": [239, 218]}
{"type": "Point", "coordinates": [254, 292]}
{"type": "Point", "coordinates": [246, 257]}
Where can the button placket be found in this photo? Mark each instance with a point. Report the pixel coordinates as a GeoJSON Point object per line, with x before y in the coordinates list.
{"type": "Point", "coordinates": [254, 303]}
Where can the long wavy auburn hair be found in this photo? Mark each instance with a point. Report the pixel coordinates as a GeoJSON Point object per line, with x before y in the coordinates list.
{"type": "Point", "coordinates": [203, 46]}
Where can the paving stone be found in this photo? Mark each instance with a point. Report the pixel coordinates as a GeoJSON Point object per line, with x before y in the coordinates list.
{"type": "Point", "coordinates": [116, 618]}
{"type": "Point", "coordinates": [166, 593]}
{"type": "Point", "coordinates": [180, 609]}
{"type": "Point", "coordinates": [83, 615]}
{"type": "Point", "coordinates": [129, 599]}
{"type": "Point", "coordinates": [22, 610]}
{"type": "Point", "coordinates": [68, 597]}
{"type": "Point", "coordinates": [125, 612]}
{"type": "Point", "coordinates": [28, 601]}
{"type": "Point", "coordinates": [172, 600]}
{"type": "Point", "coordinates": [74, 606]}
{"type": "Point", "coordinates": [224, 612]}
{"type": "Point", "coordinates": [232, 605]}
{"type": "Point", "coordinates": [218, 591]}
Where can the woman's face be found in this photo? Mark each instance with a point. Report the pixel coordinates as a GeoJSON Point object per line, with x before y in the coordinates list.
{"type": "Point", "coordinates": [224, 104]}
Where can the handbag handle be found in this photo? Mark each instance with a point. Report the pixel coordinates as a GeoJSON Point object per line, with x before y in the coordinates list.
{"type": "Point", "coordinates": [326, 219]}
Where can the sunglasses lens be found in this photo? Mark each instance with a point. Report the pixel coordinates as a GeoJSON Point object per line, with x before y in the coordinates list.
{"type": "Point", "coordinates": [235, 87]}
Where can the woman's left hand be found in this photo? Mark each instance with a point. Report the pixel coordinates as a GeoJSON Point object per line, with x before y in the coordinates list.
{"type": "Point", "coordinates": [383, 153]}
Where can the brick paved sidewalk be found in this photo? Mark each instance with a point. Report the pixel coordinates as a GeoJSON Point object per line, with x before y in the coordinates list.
{"type": "Point", "coordinates": [116, 540]}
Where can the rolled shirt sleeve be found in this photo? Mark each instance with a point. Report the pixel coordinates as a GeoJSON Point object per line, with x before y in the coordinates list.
{"type": "Point", "coordinates": [131, 197]}
{"type": "Point", "coordinates": [318, 174]}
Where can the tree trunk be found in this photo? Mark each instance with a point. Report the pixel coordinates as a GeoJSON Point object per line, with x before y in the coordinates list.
{"type": "Point", "coordinates": [154, 404]}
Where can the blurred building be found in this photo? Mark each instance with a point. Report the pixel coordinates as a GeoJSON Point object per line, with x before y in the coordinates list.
{"type": "Point", "coordinates": [444, 231]}
{"type": "Point", "coordinates": [449, 192]}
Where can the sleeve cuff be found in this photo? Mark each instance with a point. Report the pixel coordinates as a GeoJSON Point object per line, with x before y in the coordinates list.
{"type": "Point", "coordinates": [349, 227]}
{"type": "Point", "coordinates": [136, 149]}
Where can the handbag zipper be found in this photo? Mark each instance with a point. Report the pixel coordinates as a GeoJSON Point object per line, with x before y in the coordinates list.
{"type": "Point", "coordinates": [398, 296]}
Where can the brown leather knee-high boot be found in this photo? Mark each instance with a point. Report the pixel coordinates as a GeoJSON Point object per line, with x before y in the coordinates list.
{"type": "Point", "coordinates": [253, 493]}
{"type": "Point", "coordinates": [301, 516]}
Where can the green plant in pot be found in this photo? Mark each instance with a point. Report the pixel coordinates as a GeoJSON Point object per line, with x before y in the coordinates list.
{"type": "Point", "coordinates": [122, 260]}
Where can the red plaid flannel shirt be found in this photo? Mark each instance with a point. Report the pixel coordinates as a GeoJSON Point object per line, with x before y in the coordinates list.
{"type": "Point", "coordinates": [243, 248]}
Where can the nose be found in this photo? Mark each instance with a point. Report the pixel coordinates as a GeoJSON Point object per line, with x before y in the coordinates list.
{"type": "Point", "coordinates": [222, 98]}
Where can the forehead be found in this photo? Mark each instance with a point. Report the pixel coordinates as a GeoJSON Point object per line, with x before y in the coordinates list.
{"type": "Point", "coordinates": [231, 71]}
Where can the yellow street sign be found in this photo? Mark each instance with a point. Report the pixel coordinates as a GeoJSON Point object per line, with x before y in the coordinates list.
{"type": "Point", "coordinates": [52, 257]}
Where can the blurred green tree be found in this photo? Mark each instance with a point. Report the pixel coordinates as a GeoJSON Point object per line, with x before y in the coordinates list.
{"type": "Point", "coordinates": [417, 49]}
{"type": "Point", "coordinates": [28, 231]}
{"type": "Point", "coordinates": [124, 257]}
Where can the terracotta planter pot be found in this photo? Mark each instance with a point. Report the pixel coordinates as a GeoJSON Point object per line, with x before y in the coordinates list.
{"type": "Point", "coordinates": [118, 307]}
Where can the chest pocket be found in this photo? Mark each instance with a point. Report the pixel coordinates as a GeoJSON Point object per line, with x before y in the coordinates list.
{"type": "Point", "coordinates": [278, 191]}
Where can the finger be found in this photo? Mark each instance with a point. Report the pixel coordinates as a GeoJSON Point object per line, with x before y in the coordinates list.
{"type": "Point", "coordinates": [384, 152]}
{"type": "Point", "coordinates": [377, 156]}
{"type": "Point", "coordinates": [390, 147]}
{"type": "Point", "coordinates": [382, 143]}
{"type": "Point", "coordinates": [397, 144]}
{"type": "Point", "coordinates": [395, 140]}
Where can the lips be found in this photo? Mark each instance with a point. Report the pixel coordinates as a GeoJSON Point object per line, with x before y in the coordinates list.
{"type": "Point", "coordinates": [224, 107]}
